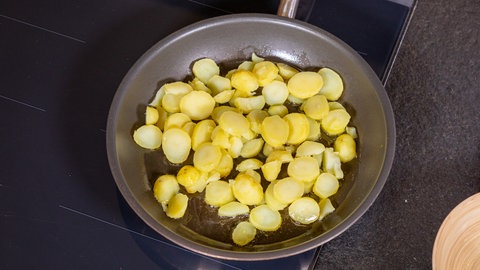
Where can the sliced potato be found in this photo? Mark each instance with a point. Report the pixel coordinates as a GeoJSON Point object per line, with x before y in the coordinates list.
{"type": "Point", "coordinates": [314, 133]}
{"type": "Point", "coordinates": [233, 209]}
{"type": "Point", "coordinates": [244, 81]}
{"type": "Point", "coordinates": [218, 193]}
{"type": "Point", "coordinates": [246, 65]}
{"type": "Point", "coordinates": [234, 123]}
{"type": "Point", "coordinates": [304, 168]}
{"type": "Point", "coordinates": [218, 84]}
{"type": "Point", "coordinates": [177, 206]}
{"type": "Point", "coordinates": [304, 210]}
{"type": "Point", "coordinates": [248, 104]}
{"type": "Point", "coordinates": [198, 105]}
{"type": "Point", "coordinates": [275, 93]}
{"type": "Point", "coordinates": [275, 130]}
{"type": "Point", "coordinates": [177, 120]}
{"type": "Point", "coordinates": [316, 107]}
{"type": "Point", "coordinates": [331, 163]}
{"type": "Point", "coordinates": [299, 128]}
{"type": "Point", "coordinates": [236, 145]}
{"type": "Point", "coordinates": [265, 219]}
{"type": "Point", "coordinates": [219, 110]}
{"type": "Point", "coordinates": [177, 88]}
{"type": "Point", "coordinates": [345, 146]}
{"type": "Point", "coordinates": [171, 103]}
{"type": "Point", "coordinates": [326, 185]}
{"type": "Point", "coordinates": [249, 164]}
{"type": "Point", "coordinates": [255, 118]}
{"type": "Point", "coordinates": [225, 165]}
{"type": "Point", "coordinates": [165, 187]}
{"type": "Point", "coordinates": [251, 148]}
{"type": "Point", "coordinates": [204, 69]}
{"type": "Point", "coordinates": [220, 138]}
{"type": "Point", "coordinates": [188, 176]}
{"type": "Point", "coordinates": [271, 170]}
{"type": "Point", "coordinates": [148, 136]}
{"type": "Point", "coordinates": [270, 199]}
{"type": "Point", "coordinates": [280, 110]}
{"type": "Point", "coordinates": [287, 190]}
{"type": "Point", "coordinates": [198, 85]}
{"type": "Point", "coordinates": [265, 71]}
{"type": "Point", "coordinates": [305, 84]}
{"type": "Point", "coordinates": [309, 148]}
{"type": "Point", "coordinates": [332, 84]}
{"type": "Point", "coordinates": [224, 96]}
{"type": "Point", "coordinates": [151, 115]}
{"type": "Point", "coordinates": [202, 133]}
{"type": "Point", "coordinates": [199, 184]}
{"type": "Point", "coordinates": [243, 233]}
{"type": "Point", "coordinates": [207, 157]}
{"type": "Point", "coordinates": [176, 145]}
{"type": "Point", "coordinates": [246, 190]}
{"type": "Point", "coordinates": [326, 207]}
{"type": "Point", "coordinates": [254, 174]}
{"type": "Point", "coordinates": [157, 99]}
{"type": "Point", "coordinates": [335, 122]}
{"type": "Point", "coordinates": [286, 71]}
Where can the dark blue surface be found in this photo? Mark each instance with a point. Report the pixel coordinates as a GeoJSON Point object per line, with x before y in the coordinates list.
{"type": "Point", "coordinates": [60, 65]}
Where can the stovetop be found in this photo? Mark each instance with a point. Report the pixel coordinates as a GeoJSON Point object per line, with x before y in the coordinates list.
{"type": "Point", "coordinates": [60, 65]}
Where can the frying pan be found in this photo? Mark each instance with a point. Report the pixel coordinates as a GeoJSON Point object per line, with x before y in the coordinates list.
{"type": "Point", "coordinates": [230, 39]}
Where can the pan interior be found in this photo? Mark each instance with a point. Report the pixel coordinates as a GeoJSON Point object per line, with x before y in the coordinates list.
{"type": "Point", "coordinates": [229, 39]}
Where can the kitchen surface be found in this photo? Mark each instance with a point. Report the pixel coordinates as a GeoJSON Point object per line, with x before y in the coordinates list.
{"type": "Point", "coordinates": [61, 63]}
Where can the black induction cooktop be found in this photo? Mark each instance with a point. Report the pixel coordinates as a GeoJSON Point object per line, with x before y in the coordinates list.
{"type": "Point", "coordinates": [60, 65]}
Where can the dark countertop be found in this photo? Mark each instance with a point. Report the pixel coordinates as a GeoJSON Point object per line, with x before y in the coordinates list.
{"type": "Point", "coordinates": [434, 88]}
{"type": "Point", "coordinates": [60, 205]}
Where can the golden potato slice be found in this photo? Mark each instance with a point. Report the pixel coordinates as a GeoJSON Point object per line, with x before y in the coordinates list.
{"type": "Point", "coordinates": [225, 165]}
{"type": "Point", "coordinates": [249, 164]}
{"type": "Point", "coordinates": [157, 99]}
{"type": "Point", "coordinates": [199, 184]}
{"type": "Point", "coordinates": [265, 71]}
{"type": "Point", "coordinates": [177, 206]}
{"type": "Point", "coordinates": [275, 93]}
{"type": "Point", "coordinates": [333, 105]}
{"type": "Point", "coordinates": [207, 157]}
{"type": "Point", "coordinates": [202, 133]}
{"type": "Point", "coordinates": [165, 187]}
{"type": "Point", "coordinates": [326, 207]}
{"type": "Point", "coordinates": [335, 122]}
{"type": "Point", "coordinates": [151, 115]}
{"type": "Point", "coordinates": [233, 209]}
{"type": "Point", "coordinates": [345, 146]}
{"type": "Point", "coordinates": [304, 210]}
{"type": "Point", "coordinates": [171, 103]}
{"type": "Point", "coordinates": [316, 107]}
{"type": "Point", "coordinates": [244, 81]}
{"type": "Point", "coordinates": [220, 138]}
{"type": "Point", "coordinates": [299, 128]}
{"type": "Point", "coordinates": [176, 145]}
{"type": "Point", "coordinates": [224, 96]}
{"type": "Point", "coordinates": [176, 120]}
{"type": "Point", "coordinates": [218, 193]}
{"type": "Point", "coordinates": [218, 84]}
{"type": "Point", "coordinates": [305, 84]}
{"type": "Point", "coordinates": [275, 130]}
{"type": "Point", "coordinates": [255, 118]}
{"type": "Point", "coordinates": [251, 148]}
{"type": "Point", "coordinates": [236, 145]}
{"type": "Point", "coordinates": [198, 105]}
{"type": "Point", "coordinates": [286, 71]}
{"type": "Point", "coordinates": [162, 117]}
{"type": "Point", "coordinates": [352, 131]}
{"type": "Point", "coordinates": [204, 69]}
{"type": "Point", "coordinates": [304, 169]}
{"type": "Point", "coordinates": [198, 85]}
{"type": "Point", "coordinates": [283, 156]}
{"type": "Point", "coordinates": [287, 190]}
{"type": "Point", "coordinates": [188, 127]}
{"type": "Point", "coordinates": [188, 175]}
{"type": "Point", "coordinates": [326, 185]}
{"type": "Point", "coordinates": [243, 233]}
{"type": "Point", "coordinates": [246, 65]}
{"type": "Point", "coordinates": [254, 174]}
{"type": "Point", "coordinates": [219, 110]}
{"type": "Point", "coordinates": [295, 100]}
{"type": "Point", "coordinates": [177, 88]}
{"type": "Point", "coordinates": [148, 136]}
{"type": "Point", "coordinates": [331, 163]}
{"type": "Point", "coordinates": [271, 169]}
{"type": "Point", "coordinates": [280, 110]}
{"type": "Point", "coordinates": [264, 218]}
{"type": "Point", "coordinates": [314, 126]}
{"type": "Point", "coordinates": [246, 190]}
{"type": "Point", "coordinates": [332, 84]}
{"type": "Point", "coordinates": [234, 123]}
{"type": "Point", "coordinates": [256, 58]}
{"type": "Point", "coordinates": [309, 148]}
{"type": "Point", "coordinates": [248, 104]}
{"type": "Point", "coordinates": [270, 199]}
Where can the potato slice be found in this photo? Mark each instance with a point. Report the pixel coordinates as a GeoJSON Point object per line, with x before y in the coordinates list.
{"type": "Point", "coordinates": [225, 165]}
{"type": "Point", "coordinates": [248, 104]}
{"type": "Point", "coordinates": [254, 174]}
{"type": "Point", "coordinates": [304, 210]}
{"type": "Point", "coordinates": [188, 175]}
{"type": "Point", "coordinates": [305, 84]}
{"type": "Point", "coordinates": [234, 123]}
{"type": "Point", "coordinates": [157, 99]}
{"type": "Point", "coordinates": [244, 81]}
{"type": "Point", "coordinates": [233, 209]}
{"type": "Point", "coordinates": [271, 170]}
{"type": "Point", "coordinates": [198, 85]}
{"type": "Point", "coordinates": [207, 157]}
{"type": "Point", "coordinates": [286, 71]}
{"type": "Point", "coordinates": [287, 190]}
{"type": "Point", "coordinates": [333, 105]}
{"type": "Point", "coordinates": [316, 107]}
{"type": "Point", "coordinates": [326, 185]}
{"type": "Point", "coordinates": [352, 131]}
{"type": "Point", "coordinates": [332, 84]}
{"type": "Point", "coordinates": [326, 207]}
{"type": "Point", "coordinates": [264, 218]}
{"type": "Point", "coordinates": [198, 105]}
{"type": "Point", "coordinates": [309, 148]}
{"type": "Point", "coordinates": [249, 164]}
{"type": "Point", "coordinates": [280, 110]}
{"type": "Point", "coordinates": [299, 128]}
{"type": "Point", "coordinates": [176, 145]}
{"type": "Point", "coordinates": [246, 65]}
{"type": "Point", "coordinates": [218, 111]}
{"type": "Point", "coordinates": [275, 130]}
{"type": "Point", "coordinates": [335, 122]}
{"type": "Point", "coordinates": [202, 133]}
{"type": "Point", "coordinates": [204, 69]}
{"type": "Point", "coordinates": [246, 190]}
{"type": "Point", "coordinates": [304, 169]}
{"type": "Point", "coordinates": [220, 138]}
{"type": "Point", "coordinates": [331, 163]}
{"type": "Point", "coordinates": [275, 93]}
{"type": "Point", "coordinates": [236, 145]}
{"type": "Point", "coordinates": [177, 120]}
{"type": "Point", "coordinates": [218, 84]}
{"type": "Point", "coordinates": [151, 115]}
{"type": "Point", "coordinates": [265, 71]}
{"type": "Point", "coordinates": [177, 88]}
{"type": "Point", "coordinates": [148, 136]}
{"type": "Point", "coordinates": [314, 133]}
{"type": "Point", "coordinates": [171, 103]}
{"type": "Point", "coordinates": [199, 184]}
{"type": "Point", "coordinates": [188, 127]}
{"type": "Point", "coordinates": [251, 148]}
{"type": "Point", "coordinates": [177, 206]}
{"type": "Point", "coordinates": [224, 96]}
{"type": "Point", "coordinates": [256, 118]}
{"type": "Point", "coordinates": [345, 146]}
{"type": "Point", "coordinates": [165, 187]}
{"type": "Point", "coordinates": [243, 233]}
{"type": "Point", "coordinates": [270, 199]}
{"type": "Point", "coordinates": [218, 193]}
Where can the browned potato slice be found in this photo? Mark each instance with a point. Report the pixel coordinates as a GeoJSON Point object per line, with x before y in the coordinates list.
{"type": "Point", "coordinates": [207, 157]}
{"type": "Point", "coordinates": [218, 193]}
{"type": "Point", "coordinates": [246, 190]}
{"type": "Point", "coordinates": [202, 133]}
{"type": "Point", "coordinates": [177, 206]}
{"type": "Point", "coordinates": [335, 122]}
{"type": "Point", "coordinates": [275, 130]}
{"type": "Point", "coordinates": [244, 81]}
{"type": "Point", "coordinates": [287, 190]}
{"type": "Point", "coordinates": [303, 168]}
{"type": "Point", "coordinates": [198, 105]}
{"type": "Point", "coordinates": [305, 84]}
{"type": "Point", "coordinates": [265, 71]}
{"type": "Point", "coordinates": [165, 187]}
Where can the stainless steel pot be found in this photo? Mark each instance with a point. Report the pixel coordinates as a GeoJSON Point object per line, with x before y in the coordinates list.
{"type": "Point", "coordinates": [228, 39]}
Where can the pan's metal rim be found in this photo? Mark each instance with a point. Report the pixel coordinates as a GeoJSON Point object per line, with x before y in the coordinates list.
{"type": "Point", "coordinates": [260, 255]}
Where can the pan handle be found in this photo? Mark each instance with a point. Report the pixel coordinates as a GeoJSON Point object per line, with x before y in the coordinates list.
{"type": "Point", "coordinates": [288, 8]}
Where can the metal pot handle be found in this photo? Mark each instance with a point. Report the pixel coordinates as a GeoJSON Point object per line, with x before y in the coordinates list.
{"type": "Point", "coordinates": [288, 8]}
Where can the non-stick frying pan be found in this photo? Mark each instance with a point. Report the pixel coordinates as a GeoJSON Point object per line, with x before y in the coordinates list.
{"type": "Point", "coordinates": [230, 39]}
